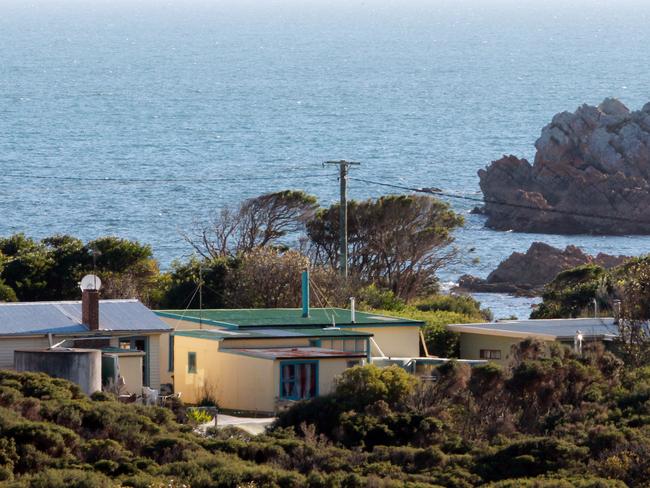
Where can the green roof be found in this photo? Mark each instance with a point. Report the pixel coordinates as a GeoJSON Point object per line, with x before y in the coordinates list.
{"type": "Point", "coordinates": [218, 335]}
{"type": "Point", "coordinates": [285, 317]}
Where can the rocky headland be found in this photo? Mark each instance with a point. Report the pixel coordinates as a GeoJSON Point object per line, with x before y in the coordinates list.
{"type": "Point", "coordinates": [591, 174]}
{"type": "Point", "coordinates": [527, 273]}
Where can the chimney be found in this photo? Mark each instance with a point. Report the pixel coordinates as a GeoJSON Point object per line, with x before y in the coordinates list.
{"type": "Point", "coordinates": [353, 310]}
{"type": "Point", "coordinates": [305, 293]}
{"type": "Point", "coordinates": [90, 309]}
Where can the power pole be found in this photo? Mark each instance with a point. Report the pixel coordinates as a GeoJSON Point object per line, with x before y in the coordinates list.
{"type": "Point", "coordinates": [200, 297]}
{"type": "Point", "coordinates": [343, 213]}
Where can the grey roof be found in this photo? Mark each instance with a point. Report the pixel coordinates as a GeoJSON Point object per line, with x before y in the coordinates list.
{"type": "Point", "coordinates": [543, 328]}
{"type": "Point", "coordinates": [294, 353]}
{"type": "Point", "coordinates": [221, 334]}
{"type": "Point", "coordinates": [29, 318]}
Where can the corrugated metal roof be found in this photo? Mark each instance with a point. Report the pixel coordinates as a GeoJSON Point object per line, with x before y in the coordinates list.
{"type": "Point", "coordinates": [221, 334]}
{"type": "Point", "coordinates": [295, 353]}
{"type": "Point", "coordinates": [285, 317]}
{"type": "Point", "coordinates": [28, 318]}
{"type": "Point", "coordinates": [543, 328]}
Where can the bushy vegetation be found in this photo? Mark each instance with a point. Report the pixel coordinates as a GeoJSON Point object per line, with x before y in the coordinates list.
{"type": "Point", "coordinates": [50, 268]}
{"type": "Point", "coordinates": [557, 421]}
{"type": "Point", "coordinates": [436, 311]}
{"type": "Point", "coordinates": [572, 292]}
{"type": "Point", "coordinates": [250, 256]}
{"type": "Point", "coordinates": [554, 421]}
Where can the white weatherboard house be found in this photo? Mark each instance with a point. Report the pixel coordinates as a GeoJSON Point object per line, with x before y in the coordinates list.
{"type": "Point", "coordinates": [493, 341]}
{"type": "Point", "coordinates": [125, 329]}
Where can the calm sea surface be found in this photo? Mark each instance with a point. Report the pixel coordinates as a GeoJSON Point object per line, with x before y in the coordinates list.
{"type": "Point", "coordinates": [190, 106]}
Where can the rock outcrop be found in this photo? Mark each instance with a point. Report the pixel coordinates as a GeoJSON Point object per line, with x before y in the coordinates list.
{"type": "Point", "coordinates": [591, 175]}
{"type": "Point", "coordinates": [527, 273]}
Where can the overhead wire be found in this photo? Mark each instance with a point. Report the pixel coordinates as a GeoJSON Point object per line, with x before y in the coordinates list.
{"type": "Point", "coordinates": [162, 179]}
{"type": "Point", "coordinates": [322, 299]}
{"type": "Point", "coordinates": [447, 194]}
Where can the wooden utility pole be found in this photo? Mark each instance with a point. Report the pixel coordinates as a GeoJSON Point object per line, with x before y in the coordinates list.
{"type": "Point", "coordinates": [343, 213]}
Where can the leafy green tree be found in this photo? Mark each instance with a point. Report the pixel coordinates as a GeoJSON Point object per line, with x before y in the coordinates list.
{"type": "Point", "coordinates": [633, 282]}
{"type": "Point", "coordinates": [180, 286]}
{"type": "Point", "coordinates": [572, 292]}
{"type": "Point", "coordinates": [396, 242]}
{"type": "Point", "coordinates": [51, 268]}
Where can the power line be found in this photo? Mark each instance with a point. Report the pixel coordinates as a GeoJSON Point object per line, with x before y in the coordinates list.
{"type": "Point", "coordinates": [443, 193]}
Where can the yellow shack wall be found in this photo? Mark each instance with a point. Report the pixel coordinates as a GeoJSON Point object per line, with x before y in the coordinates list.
{"type": "Point", "coordinates": [131, 371]}
{"type": "Point", "coordinates": [395, 341]}
{"type": "Point", "coordinates": [471, 345]}
{"type": "Point", "coordinates": [167, 376]}
{"type": "Point", "coordinates": [328, 371]}
{"type": "Point", "coordinates": [236, 381]}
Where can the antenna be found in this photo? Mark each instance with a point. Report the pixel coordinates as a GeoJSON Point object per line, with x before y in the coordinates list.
{"type": "Point", "coordinates": [90, 282]}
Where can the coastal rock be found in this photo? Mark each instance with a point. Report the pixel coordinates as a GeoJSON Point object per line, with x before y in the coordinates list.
{"type": "Point", "coordinates": [527, 273]}
{"type": "Point", "coordinates": [591, 175]}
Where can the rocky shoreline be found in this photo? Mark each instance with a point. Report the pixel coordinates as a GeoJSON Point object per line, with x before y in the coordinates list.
{"type": "Point", "coordinates": [591, 175]}
{"type": "Point", "coordinates": [525, 274]}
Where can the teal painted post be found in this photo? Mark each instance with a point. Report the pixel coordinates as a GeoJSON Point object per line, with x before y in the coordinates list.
{"type": "Point", "coordinates": [305, 293]}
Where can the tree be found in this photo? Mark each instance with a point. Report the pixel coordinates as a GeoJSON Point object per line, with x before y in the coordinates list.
{"type": "Point", "coordinates": [268, 278]}
{"type": "Point", "coordinates": [50, 269]}
{"type": "Point", "coordinates": [633, 324]}
{"type": "Point", "coordinates": [180, 287]}
{"type": "Point", "coordinates": [127, 268]}
{"type": "Point", "coordinates": [572, 292]}
{"type": "Point", "coordinates": [256, 222]}
{"type": "Point", "coordinates": [25, 264]}
{"type": "Point", "coordinates": [397, 242]}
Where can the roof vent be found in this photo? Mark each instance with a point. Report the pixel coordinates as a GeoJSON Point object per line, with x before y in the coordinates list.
{"type": "Point", "coordinates": [305, 293]}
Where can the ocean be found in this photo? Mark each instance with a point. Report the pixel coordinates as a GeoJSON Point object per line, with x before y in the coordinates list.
{"type": "Point", "coordinates": [140, 119]}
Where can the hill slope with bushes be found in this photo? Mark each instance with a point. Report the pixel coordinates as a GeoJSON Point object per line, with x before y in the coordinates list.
{"type": "Point", "coordinates": [557, 422]}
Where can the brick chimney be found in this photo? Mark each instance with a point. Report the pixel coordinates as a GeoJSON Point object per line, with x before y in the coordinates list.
{"type": "Point", "coordinates": [90, 309]}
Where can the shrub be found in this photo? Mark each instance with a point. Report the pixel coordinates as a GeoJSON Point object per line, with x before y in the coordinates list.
{"type": "Point", "coordinates": [530, 457]}
{"type": "Point", "coordinates": [97, 449]}
{"type": "Point", "coordinates": [365, 385]}
{"type": "Point", "coordinates": [374, 297]}
{"type": "Point", "coordinates": [167, 448]}
{"type": "Point", "coordinates": [461, 304]}
{"type": "Point", "coordinates": [68, 478]}
{"type": "Point", "coordinates": [197, 416]}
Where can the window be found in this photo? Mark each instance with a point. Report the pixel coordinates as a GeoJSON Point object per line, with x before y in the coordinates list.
{"type": "Point", "coordinates": [353, 363]}
{"type": "Point", "coordinates": [170, 362]}
{"type": "Point", "coordinates": [490, 354]}
{"type": "Point", "coordinates": [347, 345]}
{"type": "Point", "coordinates": [298, 380]}
{"type": "Point", "coordinates": [191, 362]}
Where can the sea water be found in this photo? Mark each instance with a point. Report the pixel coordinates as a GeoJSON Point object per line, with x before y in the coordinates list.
{"type": "Point", "coordinates": [140, 119]}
